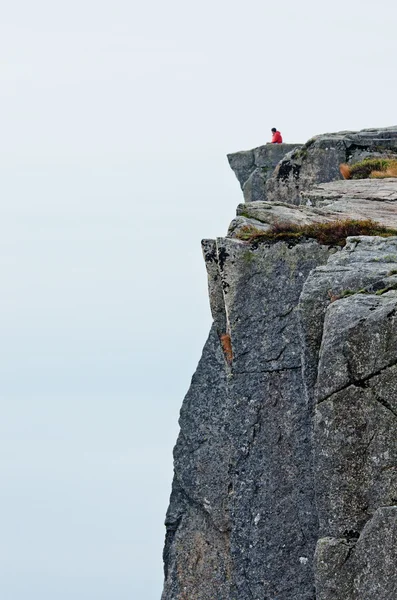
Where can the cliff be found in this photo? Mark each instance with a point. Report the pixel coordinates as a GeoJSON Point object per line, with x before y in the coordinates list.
{"type": "Point", "coordinates": [285, 484]}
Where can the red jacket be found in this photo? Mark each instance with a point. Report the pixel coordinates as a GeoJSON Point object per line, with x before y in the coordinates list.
{"type": "Point", "coordinates": [276, 138]}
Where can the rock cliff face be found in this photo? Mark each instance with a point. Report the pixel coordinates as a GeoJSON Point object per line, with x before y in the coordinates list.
{"type": "Point", "coordinates": [285, 484]}
{"type": "Point", "coordinates": [254, 168]}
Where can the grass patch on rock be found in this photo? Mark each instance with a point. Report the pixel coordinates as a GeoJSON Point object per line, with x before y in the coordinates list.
{"type": "Point", "coordinates": [330, 234]}
{"type": "Point", "coordinates": [392, 286]}
{"type": "Point", "coordinates": [370, 168]}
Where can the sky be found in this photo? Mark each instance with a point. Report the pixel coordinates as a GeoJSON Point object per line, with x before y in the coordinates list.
{"type": "Point", "coordinates": [116, 118]}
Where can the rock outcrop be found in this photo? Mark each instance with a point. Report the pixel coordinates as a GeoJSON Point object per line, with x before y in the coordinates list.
{"type": "Point", "coordinates": [285, 484]}
{"type": "Point", "coordinates": [327, 202]}
{"type": "Point", "coordinates": [299, 167]}
{"type": "Point", "coordinates": [253, 168]}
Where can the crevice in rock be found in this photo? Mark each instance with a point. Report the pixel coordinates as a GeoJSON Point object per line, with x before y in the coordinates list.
{"type": "Point", "coordinates": [349, 553]}
{"type": "Point", "coordinates": [221, 259]}
{"type": "Point", "coordinates": [384, 403]}
{"type": "Point", "coordinates": [251, 320]}
{"type": "Point", "coordinates": [285, 369]}
{"type": "Point", "coordinates": [363, 383]}
{"type": "Point", "coordinates": [370, 441]}
{"type": "Point", "coordinates": [267, 360]}
{"type": "Point", "coordinates": [169, 539]}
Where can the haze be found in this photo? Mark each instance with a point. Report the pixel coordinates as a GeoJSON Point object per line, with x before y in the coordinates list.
{"type": "Point", "coordinates": [115, 121]}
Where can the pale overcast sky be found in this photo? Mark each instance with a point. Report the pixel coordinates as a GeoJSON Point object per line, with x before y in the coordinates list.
{"type": "Point", "coordinates": [115, 121]}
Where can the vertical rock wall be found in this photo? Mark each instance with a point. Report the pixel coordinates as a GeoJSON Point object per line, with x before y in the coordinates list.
{"type": "Point", "coordinates": [285, 483]}
{"type": "Point", "coordinates": [243, 505]}
{"type": "Point", "coordinates": [351, 373]}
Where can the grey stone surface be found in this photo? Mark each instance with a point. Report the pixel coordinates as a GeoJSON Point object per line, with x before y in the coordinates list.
{"type": "Point", "coordinates": [364, 261]}
{"type": "Point", "coordinates": [265, 214]}
{"type": "Point", "coordinates": [334, 578]}
{"type": "Point", "coordinates": [361, 569]}
{"type": "Point", "coordinates": [362, 199]}
{"type": "Point", "coordinates": [326, 194]}
{"type": "Point", "coordinates": [243, 455]}
{"type": "Point", "coordinates": [350, 357]}
{"type": "Point", "coordinates": [254, 167]}
{"type": "Point", "coordinates": [197, 549]}
{"type": "Point", "coordinates": [285, 484]}
{"type": "Point", "coordinates": [241, 224]}
{"type": "Point", "coordinates": [365, 199]}
{"type": "Point", "coordinates": [375, 557]}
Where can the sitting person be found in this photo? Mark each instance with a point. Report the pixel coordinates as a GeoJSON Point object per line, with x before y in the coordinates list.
{"type": "Point", "coordinates": [276, 137]}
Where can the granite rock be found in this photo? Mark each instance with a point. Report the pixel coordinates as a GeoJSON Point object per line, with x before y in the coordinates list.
{"type": "Point", "coordinates": [243, 454]}
{"type": "Point", "coordinates": [254, 167]}
{"type": "Point", "coordinates": [285, 483]}
{"type": "Point", "coordinates": [347, 319]}
{"type": "Point", "coordinates": [363, 568]}
{"type": "Point", "coordinates": [374, 199]}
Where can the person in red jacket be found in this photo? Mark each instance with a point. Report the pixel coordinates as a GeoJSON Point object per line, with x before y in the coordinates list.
{"type": "Point", "coordinates": [276, 137]}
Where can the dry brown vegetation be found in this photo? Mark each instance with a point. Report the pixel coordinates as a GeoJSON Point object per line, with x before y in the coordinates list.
{"type": "Point", "coordinates": [330, 234]}
{"type": "Point", "coordinates": [345, 171]}
{"type": "Point", "coordinates": [370, 168]}
{"type": "Point", "coordinates": [227, 347]}
{"type": "Point", "coordinates": [391, 171]}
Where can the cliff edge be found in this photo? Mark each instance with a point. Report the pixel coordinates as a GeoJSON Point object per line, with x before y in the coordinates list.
{"type": "Point", "coordinates": [285, 483]}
